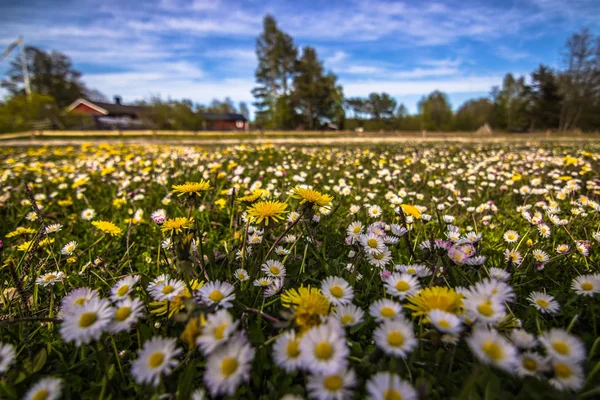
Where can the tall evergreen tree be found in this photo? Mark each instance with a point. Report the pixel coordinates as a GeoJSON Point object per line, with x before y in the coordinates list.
{"type": "Point", "coordinates": [580, 82]}
{"type": "Point", "coordinates": [545, 99]}
{"type": "Point", "coordinates": [277, 56]}
{"type": "Point", "coordinates": [316, 95]}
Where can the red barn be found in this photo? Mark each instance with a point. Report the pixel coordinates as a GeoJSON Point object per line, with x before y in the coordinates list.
{"type": "Point", "coordinates": [111, 115]}
{"type": "Point", "coordinates": [121, 116]}
{"type": "Point", "coordinates": [225, 122]}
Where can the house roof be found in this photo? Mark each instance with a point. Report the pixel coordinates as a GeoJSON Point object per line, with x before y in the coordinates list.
{"type": "Point", "coordinates": [223, 117]}
{"type": "Point", "coordinates": [114, 108]}
{"type": "Point", "coordinates": [107, 108]}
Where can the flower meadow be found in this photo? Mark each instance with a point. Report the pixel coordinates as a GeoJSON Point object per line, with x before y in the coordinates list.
{"type": "Point", "coordinates": [267, 272]}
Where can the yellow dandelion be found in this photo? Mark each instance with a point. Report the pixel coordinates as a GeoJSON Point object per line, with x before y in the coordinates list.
{"type": "Point", "coordinates": [411, 210]}
{"type": "Point", "coordinates": [178, 303]}
{"type": "Point", "coordinates": [311, 196]}
{"type": "Point", "coordinates": [193, 329]}
{"type": "Point", "coordinates": [309, 306]}
{"type": "Point", "coordinates": [265, 210]}
{"type": "Point", "coordinates": [252, 197]}
{"type": "Point", "coordinates": [435, 298]}
{"type": "Point", "coordinates": [21, 231]}
{"type": "Point", "coordinates": [191, 188]}
{"type": "Point", "coordinates": [108, 228]}
{"type": "Point", "coordinates": [177, 225]}
{"type": "Point", "coordinates": [221, 203]}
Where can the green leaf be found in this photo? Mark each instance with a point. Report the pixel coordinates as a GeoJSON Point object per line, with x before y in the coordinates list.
{"type": "Point", "coordinates": [184, 386]}
{"type": "Point", "coordinates": [39, 360]}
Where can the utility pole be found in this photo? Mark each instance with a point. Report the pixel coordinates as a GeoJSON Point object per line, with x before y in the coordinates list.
{"type": "Point", "coordinates": [25, 71]}
{"type": "Point", "coordinates": [9, 49]}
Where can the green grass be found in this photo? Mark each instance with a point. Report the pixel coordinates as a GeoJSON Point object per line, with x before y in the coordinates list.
{"type": "Point", "coordinates": [479, 185]}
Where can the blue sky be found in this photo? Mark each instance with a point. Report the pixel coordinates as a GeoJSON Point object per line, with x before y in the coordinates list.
{"type": "Point", "coordinates": [204, 49]}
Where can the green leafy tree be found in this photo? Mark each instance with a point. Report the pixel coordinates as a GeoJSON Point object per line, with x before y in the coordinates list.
{"type": "Point", "coordinates": [473, 114]}
{"type": "Point", "coordinates": [381, 105]}
{"type": "Point", "coordinates": [435, 112]}
{"type": "Point", "coordinates": [50, 73]}
{"type": "Point", "coordinates": [20, 114]}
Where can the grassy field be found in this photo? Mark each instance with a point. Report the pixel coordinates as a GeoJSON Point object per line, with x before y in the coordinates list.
{"type": "Point", "coordinates": [262, 271]}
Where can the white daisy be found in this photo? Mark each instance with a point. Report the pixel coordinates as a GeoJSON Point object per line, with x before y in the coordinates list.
{"type": "Point", "coordinates": [511, 236]}
{"type": "Point", "coordinates": [522, 339]}
{"type": "Point", "coordinates": [88, 214]}
{"type": "Point", "coordinates": [126, 314]}
{"type": "Point", "coordinates": [395, 337]}
{"type": "Point", "coordinates": [77, 298]}
{"type": "Point", "coordinates": [323, 348]}
{"type": "Point", "coordinates": [86, 323]}
{"type": "Point", "coordinates": [228, 367]}
{"type": "Point", "coordinates": [562, 346]}
{"type": "Point", "coordinates": [445, 322]}
{"type": "Point", "coordinates": [337, 290]}
{"type": "Point", "coordinates": [544, 302]}
{"type": "Point", "coordinates": [420, 271]}
{"type": "Point", "coordinates": [50, 278]}
{"type": "Point", "coordinates": [495, 289]}
{"type": "Point", "coordinates": [493, 349]}
{"type": "Point", "coordinates": [530, 364]}
{"type": "Point", "coordinates": [274, 269]}
{"type": "Point", "coordinates": [156, 358]}
{"type": "Point", "coordinates": [45, 389]}
{"type": "Point", "coordinates": [499, 274]}
{"type": "Point", "coordinates": [355, 228]}
{"type": "Point", "coordinates": [371, 243]}
{"type": "Point", "coordinates": [348, 314]}
{"type": "Point", "coordinates": [199, 394]}
{"type": "Point", "coordinates": [484, 309]}
{"type": "Point", "coordinates": [586, 285]}
{"type": "Point", "coordinates": [374, 211]}
{"type": "Point", "coordinates": [123, 287]}
{"type": "Point", "coordinates": [263, 282]}
{"type": "Point", "coordinates": [384, 309]}
{"type": "Point", "coordinates": [380, 259]}
{"type": "Point", "coordinates": [53, 228]}
{"type": "Point", "coordinates": [7, 356]}
{"type": "Point", "coordinates": [241, 275]}
{"type": "Point", "coordinates": [567, 375]}
{"type": "Point", "coordinates": [540, 256]}
{"type": "Point", "coordinates": [168, 290]}
{"type": "Point", "coordinates": [219, 327]}
{"type": "Point", "coordinates": [286, 351]}
{"type": "Point", "coordinates": [331, 386]}
{"type": "Point", "coordinates": [218, 294]}
{"type": "Point", "coordinates": [69, 248]}
{"type": "Point", "coordinates": [274, 288]}
{"type": "Point", "coordinates": [402, 285]}
{"type": "Point", "coordinates": [281, 251]}
{"type": "Point", "coordinates": [388, 386]}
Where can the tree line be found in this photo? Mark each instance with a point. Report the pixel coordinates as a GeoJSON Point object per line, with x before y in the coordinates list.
{"type": "Point", "coordinates": [295, 91]}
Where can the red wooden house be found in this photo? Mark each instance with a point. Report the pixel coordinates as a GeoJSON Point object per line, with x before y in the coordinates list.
{"type": "Point", "coordinates": [225, 122]}
{"type": "Point", "coordinates": [120, 116]}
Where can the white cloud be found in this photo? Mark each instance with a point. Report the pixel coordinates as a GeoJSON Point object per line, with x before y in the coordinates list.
{"type": "Point", "coordinates": [143, 85]}
{"type": "Point", "coordinates": [510, 54]}
{"type": "Point", "coordinates": [472, 84]}
{"type": "Point", "coordinates": [336, 59]}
